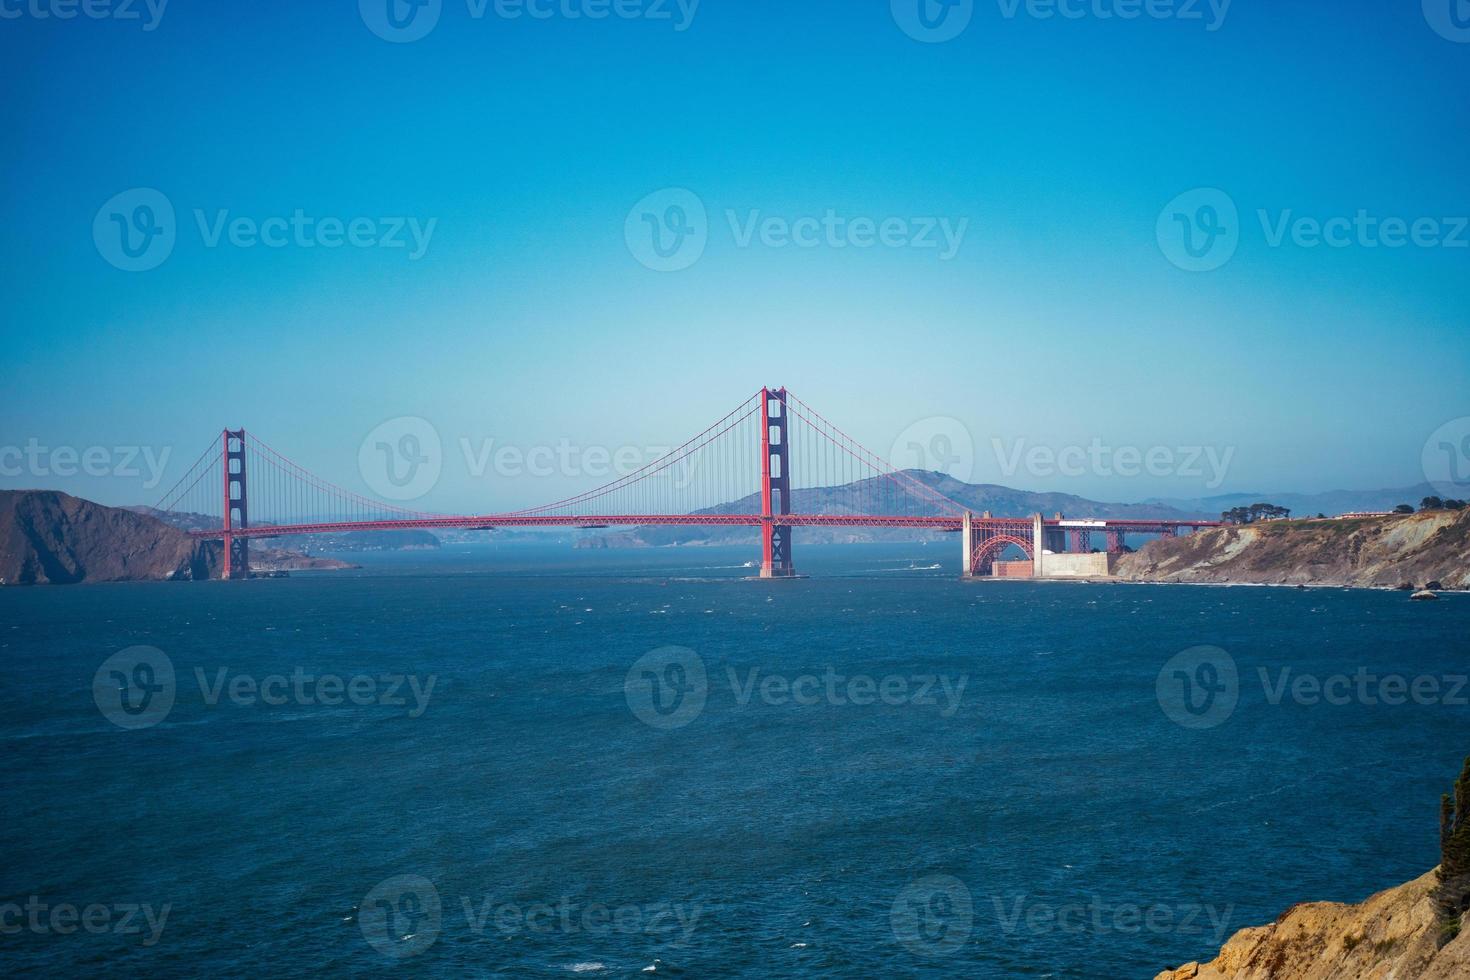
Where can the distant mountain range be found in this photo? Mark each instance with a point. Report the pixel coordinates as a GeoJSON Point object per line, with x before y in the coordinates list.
{"type": "Point", "coordinates": [855, 498]}
{"type": "Point", "coordinates": [1330, 503]}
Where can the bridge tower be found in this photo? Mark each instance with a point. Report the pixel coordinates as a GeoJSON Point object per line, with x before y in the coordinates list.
{"type": "Point", "coordinates": [775, 482]}
{"type": "Point", "coordinates": [237, 549]}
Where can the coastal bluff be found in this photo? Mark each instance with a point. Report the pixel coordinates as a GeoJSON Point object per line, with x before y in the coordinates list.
{"type": "Point", "coordinates": [1369, 552]}
{"type": "Point", "coordinates": [1393, 935]}
{"type": "Point", "coordinates": [52, 538]}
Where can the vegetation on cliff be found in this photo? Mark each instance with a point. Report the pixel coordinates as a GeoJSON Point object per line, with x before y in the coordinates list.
{"type": "Point", "coordinates": [1452, 895]}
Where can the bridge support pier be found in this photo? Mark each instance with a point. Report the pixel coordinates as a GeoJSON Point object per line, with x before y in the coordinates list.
{"type": "Point", "coordinates": [967, 545]}
{"type": "Point", "coordinates": [775, 483]}
{"type": "Point", "coordinates": [1038, 543]}
{"type": "Point", "coordinates": [236, 549]}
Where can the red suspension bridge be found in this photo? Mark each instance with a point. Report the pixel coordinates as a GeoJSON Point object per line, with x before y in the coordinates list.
{"type": "Point", "coordinates": [772, 463]}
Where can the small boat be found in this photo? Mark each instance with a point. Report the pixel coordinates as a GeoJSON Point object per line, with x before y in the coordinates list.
{"type": "Point", "coordinates": [1423, 594]}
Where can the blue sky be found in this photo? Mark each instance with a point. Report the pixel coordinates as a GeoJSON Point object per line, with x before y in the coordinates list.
{"type": "Point", "coordinates": [1059, 320]}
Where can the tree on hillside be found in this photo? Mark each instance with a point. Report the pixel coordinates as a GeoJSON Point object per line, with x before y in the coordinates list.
{"type": "Point", "coordinates": [1255, 512]}
{"type": "Point", "coordinates": [1452, 894]}
{"type": "Point", "coordinates": [1454, 504]}
{"type": "Point", "coordinates": [1403, 509]}
{"type": "Point", "coordinates": [1431, 503]}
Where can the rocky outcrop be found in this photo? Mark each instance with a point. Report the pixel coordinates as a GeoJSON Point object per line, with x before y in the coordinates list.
{"type": "Point", "coordinates": [1394, 935]}
{"type": "Point", "coordinates": [51, 537]}
{"type": "Point", "coordinates": [1387, 552]}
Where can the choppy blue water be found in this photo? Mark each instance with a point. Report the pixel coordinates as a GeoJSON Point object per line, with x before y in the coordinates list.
{"type": "Point", "coordinates": [558, 809]}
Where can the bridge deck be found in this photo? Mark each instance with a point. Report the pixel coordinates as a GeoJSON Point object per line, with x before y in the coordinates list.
{"type": "Point", "coordinates": [491, 521]}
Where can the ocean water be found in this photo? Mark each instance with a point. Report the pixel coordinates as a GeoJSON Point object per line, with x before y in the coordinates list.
{"type": "Point", "coordinates": [884, 772]}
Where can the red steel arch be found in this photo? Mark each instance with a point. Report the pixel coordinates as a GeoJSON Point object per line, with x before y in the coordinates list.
{"type": "Point", "coordinates": [987, 551]}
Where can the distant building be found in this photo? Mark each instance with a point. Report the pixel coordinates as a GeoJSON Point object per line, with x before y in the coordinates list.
{"type": "Point", "coordinates": [1363, 513]}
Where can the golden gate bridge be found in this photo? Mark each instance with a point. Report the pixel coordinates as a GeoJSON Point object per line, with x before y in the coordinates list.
{"type": "Point", "coordinates": [772, 463]}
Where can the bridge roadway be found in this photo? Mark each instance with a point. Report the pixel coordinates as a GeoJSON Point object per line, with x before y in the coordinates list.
{"type": "Point", "coordinates": [491, 521]}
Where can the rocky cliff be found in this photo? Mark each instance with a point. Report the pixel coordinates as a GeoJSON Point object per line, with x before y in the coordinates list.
{"type": "Point", "coordinates": [1394, 935]}
{"type": "Point", "coordinates": [48, 537]}
{"type": "Point", "coordinates": [51, 537]}
{"type": "Point", "coordinates": [1382, 551]}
